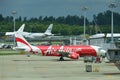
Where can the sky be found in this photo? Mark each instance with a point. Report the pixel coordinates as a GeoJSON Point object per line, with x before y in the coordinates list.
{"type": "Point", "coordinates": [55, 8]}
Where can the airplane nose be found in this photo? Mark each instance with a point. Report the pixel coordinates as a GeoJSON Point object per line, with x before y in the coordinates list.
{"type": "Point", "coordinates": [102, 52]}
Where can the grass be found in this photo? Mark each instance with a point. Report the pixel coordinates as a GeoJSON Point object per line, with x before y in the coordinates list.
{"type": "Point", "coordinates": [9, 52]}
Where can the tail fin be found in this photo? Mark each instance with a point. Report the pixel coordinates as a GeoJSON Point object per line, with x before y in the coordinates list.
{"type": "Point", "coordinates": [23, 45]}
{"type": "Point", "coordinates": [21, 40]}
{"type": "Point", "coordinates": [49, 29]}
{"type": "Point", "coordinates": [21, 28]}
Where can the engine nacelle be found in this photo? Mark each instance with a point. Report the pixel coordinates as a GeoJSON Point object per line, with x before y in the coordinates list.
{"type": "Point", "coordinates": [74, 56]}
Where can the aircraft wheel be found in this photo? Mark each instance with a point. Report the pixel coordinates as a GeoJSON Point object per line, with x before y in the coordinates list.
{"type": "Point", "coordinates": [61, 59]}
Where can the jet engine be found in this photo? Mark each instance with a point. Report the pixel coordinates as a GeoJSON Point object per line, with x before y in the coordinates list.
{"type": "Point", "coordinates": [73, 56]}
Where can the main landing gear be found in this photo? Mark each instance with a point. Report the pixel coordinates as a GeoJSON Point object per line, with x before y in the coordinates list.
{"type": "Point", "coordinates": [61, 58]}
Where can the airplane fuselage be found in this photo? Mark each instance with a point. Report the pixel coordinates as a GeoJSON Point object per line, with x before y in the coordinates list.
{"type": "Point", "coordinates": [56, 50]}
{"type": "Point", "coordinates": [68, 51]}
{"type": "Point", "coordinates": [72, 52]}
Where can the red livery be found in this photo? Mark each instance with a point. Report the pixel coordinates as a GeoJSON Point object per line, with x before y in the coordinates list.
{"type": "Point", "coordinates": [73, 52]}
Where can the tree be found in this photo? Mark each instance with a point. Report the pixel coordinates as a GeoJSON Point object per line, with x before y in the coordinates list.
{"type": "Point", "coordinates": [1, 17]}
{"type": "Point", "coordinates": [25, 19]}
{"type": "Point", "coordinates": [60, 20]}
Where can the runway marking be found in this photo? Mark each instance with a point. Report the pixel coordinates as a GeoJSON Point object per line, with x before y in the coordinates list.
{"type": "Point", "coordinates": [110, 76]}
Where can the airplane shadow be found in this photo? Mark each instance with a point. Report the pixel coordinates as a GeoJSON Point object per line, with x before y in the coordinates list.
{"type": "Point", "coordinates": [55, 60]}
{"type": "Point", "coordinates": [63, 60]}
{"type": "Point", "coordinates": [112, 73]}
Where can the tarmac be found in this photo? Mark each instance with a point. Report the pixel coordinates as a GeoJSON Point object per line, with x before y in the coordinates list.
{"type": "Point", "coordinates": [20, 67]}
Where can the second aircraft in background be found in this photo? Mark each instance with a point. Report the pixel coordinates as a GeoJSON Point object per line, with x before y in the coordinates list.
{"type": "Point", "coordinates": [32, 35]}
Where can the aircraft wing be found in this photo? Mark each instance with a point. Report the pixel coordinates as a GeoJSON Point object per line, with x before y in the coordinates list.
{"type": "Point", "coordinates": [64, 53]}
{"type": "Point", "coordinates": [72, 55]}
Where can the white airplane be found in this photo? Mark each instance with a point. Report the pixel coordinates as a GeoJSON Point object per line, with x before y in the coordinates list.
{"type": "Point", "coordinates": [20, 30]}
{"type": "Point", "coordinates": [101, 35]}
{"type": "Point", "coordinates": [33, 35]}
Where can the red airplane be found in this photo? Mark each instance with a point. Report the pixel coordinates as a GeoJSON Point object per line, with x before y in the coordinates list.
{"type": "Point", "coordinates": [73, 52]}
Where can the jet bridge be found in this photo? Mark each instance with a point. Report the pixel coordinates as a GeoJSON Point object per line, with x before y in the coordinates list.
{"type": "Point", "coordinates": [113, 54]}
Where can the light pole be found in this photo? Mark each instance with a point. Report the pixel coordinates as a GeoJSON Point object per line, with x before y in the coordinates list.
{"type": "Point", "coordinates": [84, 9]}
{"type": "Point", "coordinates": [112, 6]}
{"type": "Point", "coordinates": [14, 13]}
